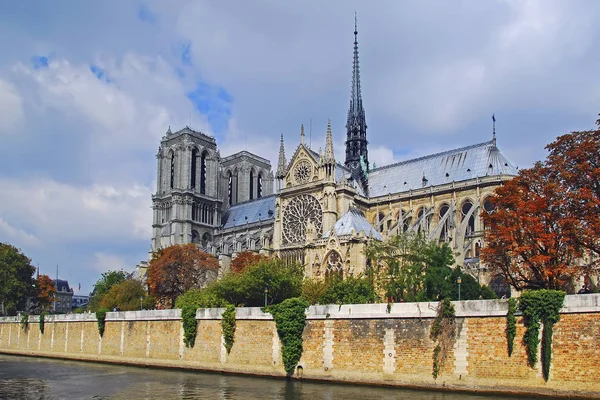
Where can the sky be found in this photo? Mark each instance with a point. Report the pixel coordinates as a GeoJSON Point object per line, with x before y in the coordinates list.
{"type": "Point", "coordinates": [87, 89]}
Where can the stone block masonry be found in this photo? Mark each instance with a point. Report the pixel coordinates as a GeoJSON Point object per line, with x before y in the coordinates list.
{"type": "Point", "coordinates": [363, 343]}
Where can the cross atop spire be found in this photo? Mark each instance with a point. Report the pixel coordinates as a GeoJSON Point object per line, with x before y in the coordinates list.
{"type": "Point", "coordinates": [356, 125]}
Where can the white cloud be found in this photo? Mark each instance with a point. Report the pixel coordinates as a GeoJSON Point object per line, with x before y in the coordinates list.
{"type": "Point", "coordinates": [11, 234]}
{"type": "Point", "coordinates": [58, 212]}
{"type": "Point", "coordinates": [381, 156]}
{"type": "Point", "coordinates": [11, 107]}
{"type": "Point", "coordinates": [103, 262]}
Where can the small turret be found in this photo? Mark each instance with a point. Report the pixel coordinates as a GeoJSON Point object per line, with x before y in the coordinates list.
{"type": "Point", "coordinates": [281, 164]}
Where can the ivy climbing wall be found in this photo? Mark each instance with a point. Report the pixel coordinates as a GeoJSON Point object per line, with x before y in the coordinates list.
{"type": "Point", "coordinates": [353, 343]}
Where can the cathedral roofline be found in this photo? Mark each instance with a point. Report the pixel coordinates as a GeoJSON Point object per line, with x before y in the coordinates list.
{"type": "Point", "coordinates": [441, 154]}
{"type": "Point", "coordinates": [171, 135]}
{"type": "Point", "coordinates": [247, 154]}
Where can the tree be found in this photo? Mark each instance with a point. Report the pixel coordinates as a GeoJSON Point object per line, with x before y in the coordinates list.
{"type": "Point", "coordinates": [178, 268]}
{"type": "Point", "coordinates": [45, 291]}
{"type": "Point", "coordinates": [16, 279]}
{"type": "Point", "coordinates": [245, 259]}
{"type": "Point", "coordinates": [574, 163]}
{"type": "Point", "coordinates": [527, 235]}
{"type": "Point", "coordinates": [128, 295]}
{"type": "Point", "coordinates": [409, 267]}
{"type": "Point", "coordinates": [103, 285]}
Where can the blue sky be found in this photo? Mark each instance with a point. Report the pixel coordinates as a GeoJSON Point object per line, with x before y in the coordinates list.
{"type": "Point", "coordinates": [87, 90]}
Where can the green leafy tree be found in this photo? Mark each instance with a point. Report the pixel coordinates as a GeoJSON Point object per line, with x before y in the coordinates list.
{"type": "Point", "coordinates": [349, 290]}
{"type": "Point", "coordinates": [103, 285]}
{"type": "Point", "coordinates": [16, 279]}
{"type": "Point", "coordinates": [281, 280]}
{"type": "Point", "coordinates": [128, 295]}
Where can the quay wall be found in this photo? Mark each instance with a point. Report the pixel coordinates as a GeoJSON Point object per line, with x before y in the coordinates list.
{"type": "Point", "coordinates": [365, 343]}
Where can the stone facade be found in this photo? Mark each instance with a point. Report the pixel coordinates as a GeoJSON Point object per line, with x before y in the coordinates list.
{"type": "Point", "coordinates": [351, 343]}
{"type": "Point", "coordinates": [196, 187]}
{"type": "Point", "coordinates": [323, 212]}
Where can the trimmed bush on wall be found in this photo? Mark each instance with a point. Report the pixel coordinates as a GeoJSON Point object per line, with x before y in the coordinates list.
{"type": "Point", "coordinates": [228, 326]}
{"type": "Point", "coordinates": [290, 318]}
{"type": "Point", "coordinates": [101, 317]}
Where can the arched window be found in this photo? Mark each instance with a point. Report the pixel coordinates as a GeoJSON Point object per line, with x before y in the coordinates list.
{"type": "Point", "coordinates": [193, 168]}
{"type": "Point", "coordinates": [466, 208]}
{"type": "Point", "coordinates": [380, 224]}
{"type": "Point", "coordinates": [194, 216]}
{"type": "Point", "coordinates": [251, 196]}
{"type": "Point", "coordinates": [444, 233]}
{"type": "Point", "coordinates": [259, 191]}
{"type": "Point", "coordinates": [203, 173]}
{"type": "Point", "coordinates": [230, 187]}
{"type": "Point", "coordinates": [334, 266]}
{"type": "Point", "coordinates": [172, 169]}
{"type": "Point", "coordinates": [195, 236]}
{"type": "Point", "coordinates": [205, 239]}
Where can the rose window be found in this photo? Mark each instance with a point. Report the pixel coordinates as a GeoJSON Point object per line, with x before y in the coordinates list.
{"type": "Point", "coordinates": [297, 214]}
{"type": "Point", "coordinates": [302, 172]}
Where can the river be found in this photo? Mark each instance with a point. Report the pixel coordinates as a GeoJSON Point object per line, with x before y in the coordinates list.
{"type": "Point", "coordinates": [28, 378]}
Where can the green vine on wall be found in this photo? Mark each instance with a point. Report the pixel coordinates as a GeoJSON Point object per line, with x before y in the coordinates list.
{"type": "Point", "coordinates": [25, 321]}
{"type": "Point", "coordinates": [540, 306]}
{"type": "Point", "coordinates": [190, 325]}
{"type": "Point", "coordinates": [511, 325]}
{"type": "Point", "coordinates": [290, 318]}
{"type": "Point", "coordinates": [443, 331]}
{"type": "Point", "coordinates": [42, 321]}
{"type": "Point", "coordinates": [228, 326]}
{"type": "Point", "coordinates": [101, 317]}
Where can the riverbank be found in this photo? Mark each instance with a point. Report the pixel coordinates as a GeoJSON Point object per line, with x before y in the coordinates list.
{"type": "Point", "coordinates": [365, 344]}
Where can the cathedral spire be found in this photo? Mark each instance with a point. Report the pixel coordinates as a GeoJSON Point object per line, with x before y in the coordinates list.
{"type": "Point", "coordinates": [356, 126]}
{"type": "Point", "coordinates": [329, 157]}
{"type": "Point", "coordinates": [281, 165]}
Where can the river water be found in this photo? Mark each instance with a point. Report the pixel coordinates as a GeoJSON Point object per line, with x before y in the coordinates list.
{"type": "Point", "coordinates": [27, 378]}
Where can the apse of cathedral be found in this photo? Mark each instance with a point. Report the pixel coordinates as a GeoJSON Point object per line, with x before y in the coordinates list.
{"type": "Point", "coordinates": [322, 212]}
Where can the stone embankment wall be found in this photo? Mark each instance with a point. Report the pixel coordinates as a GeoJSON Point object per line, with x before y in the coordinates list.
{"type": "Point", "coordinates": [350, 343]}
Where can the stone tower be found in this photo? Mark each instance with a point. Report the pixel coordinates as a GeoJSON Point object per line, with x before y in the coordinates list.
{"type": "Point", "coordinates": [187, 205]}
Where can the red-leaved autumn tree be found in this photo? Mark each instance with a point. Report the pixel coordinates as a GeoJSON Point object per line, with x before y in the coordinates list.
{"type": "Point", "coordinates": [546, 221]}
{"type": "Point", "coordinates": [45, 292]}
{"type": "Point", "coordinates": [575, 163]}
{"type": "Point", "coordinates": [245, 259]}
{"type": "Point", "coordinates": [178, 268]}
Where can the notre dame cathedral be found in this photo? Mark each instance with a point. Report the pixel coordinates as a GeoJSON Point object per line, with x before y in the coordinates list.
{"type": "Point", "coordinates": [322, 212]}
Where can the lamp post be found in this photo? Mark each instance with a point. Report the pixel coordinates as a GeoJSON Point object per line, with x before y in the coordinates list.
{"type": "Point", "coordinates": [459, 281]}
{"type": "Point", "coordinates": [266, 293]}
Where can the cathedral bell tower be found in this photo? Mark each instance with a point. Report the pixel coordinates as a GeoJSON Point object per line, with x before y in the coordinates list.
{"type": "Point", "coordinates": [356, 126]}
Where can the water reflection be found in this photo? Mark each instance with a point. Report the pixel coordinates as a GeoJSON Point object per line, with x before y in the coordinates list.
{"type": "Point", "coordinates": [24, 378]}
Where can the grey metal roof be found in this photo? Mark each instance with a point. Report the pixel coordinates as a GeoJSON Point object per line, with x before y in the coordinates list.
{"type": "Point", "coordinates": [479, 160]}
{"type": "Point", "coordinates": [342, 173]}
{"type": "Point", "coordinates": [249, 212]}
{"type": "Point", "coordinates": [353, 220]}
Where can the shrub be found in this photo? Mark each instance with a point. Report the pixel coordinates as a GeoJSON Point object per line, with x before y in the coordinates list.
{"type": "Point", "coordinates": [290, 318]}
{"type": "Point", "coordinates": [228, 326]}
{"type": "Point", "coordinates": [101, 317]}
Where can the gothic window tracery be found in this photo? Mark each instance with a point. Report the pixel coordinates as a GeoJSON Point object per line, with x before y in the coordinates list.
{"type": "Point", "coordinates": [466, 208]}
{"type": "Point", "coordinates": [193, 168]}
{"type": "Point", "coordinates": [302, 172]}
{"type": "Point", "coordinates": [172, 169]}
{"type": "Point", "coordinates": [296, 215]}
{"type": "Point", "coordinates": [334, 266]}
{"type": "Point", "coordinates": [203, 173]}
